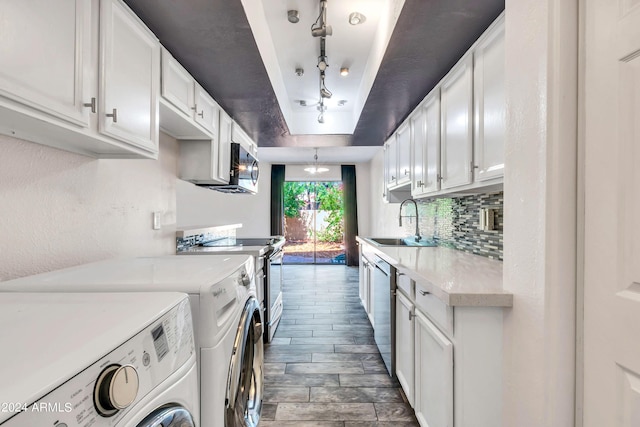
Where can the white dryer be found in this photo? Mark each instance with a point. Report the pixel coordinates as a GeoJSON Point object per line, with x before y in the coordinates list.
{"type": "Point", "coordinates": [116, 360]}
{"type": "Point", "coordinates": [226, 313]}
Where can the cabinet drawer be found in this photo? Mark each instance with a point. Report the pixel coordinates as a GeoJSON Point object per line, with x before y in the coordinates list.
{"type": "Point", "coordinates": [440, 313]}
{"type": "Point", "coordinates": [406, 285]}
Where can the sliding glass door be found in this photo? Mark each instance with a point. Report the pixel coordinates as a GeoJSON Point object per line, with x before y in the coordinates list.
{"type": "Point", "coordinates": [314, 222]}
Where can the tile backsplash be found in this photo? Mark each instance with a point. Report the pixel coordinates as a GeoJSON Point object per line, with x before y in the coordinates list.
{"type": "Point", "coordinates": [454, 223]}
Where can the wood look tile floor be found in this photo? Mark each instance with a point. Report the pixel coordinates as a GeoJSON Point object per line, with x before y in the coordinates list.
{"type": "Point", "coordinates": [323, 368]}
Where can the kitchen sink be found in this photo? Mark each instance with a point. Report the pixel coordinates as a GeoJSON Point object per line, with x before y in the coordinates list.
{"type": "Point", "coordinates": [406, 241]}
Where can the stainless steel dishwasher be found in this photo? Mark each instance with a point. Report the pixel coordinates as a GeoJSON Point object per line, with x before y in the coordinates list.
{"type": "Point", "coordinates": [384, 291]}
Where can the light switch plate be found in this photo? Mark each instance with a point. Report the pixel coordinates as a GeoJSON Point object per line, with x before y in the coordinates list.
{"type": "Point", "coordinates": [157, 220]}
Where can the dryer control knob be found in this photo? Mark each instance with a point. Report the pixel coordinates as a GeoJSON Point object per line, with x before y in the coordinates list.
{"type": "Point", "coordinates": [116, 388]}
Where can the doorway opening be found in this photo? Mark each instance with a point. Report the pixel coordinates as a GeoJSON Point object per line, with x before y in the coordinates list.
{"type": "Point", "coordinates": [314, 222]}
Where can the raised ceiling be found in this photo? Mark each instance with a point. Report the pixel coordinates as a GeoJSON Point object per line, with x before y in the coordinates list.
{"type": "Point", "coordinates": [213, 40]}
{"type": "Point", "coordinates": [285, 47]}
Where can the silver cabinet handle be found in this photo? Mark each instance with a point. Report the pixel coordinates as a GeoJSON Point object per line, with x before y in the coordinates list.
{"type": "Point", "coordinates": [423, 293]}
{"type": "Point", "coordinates": [440, 178]}
{"type": "Point", "coordinates": [201, 114]}
{"type": "Point", "coordinates": [411, 315]}
{"type": "Point", "coordinates": [393, 178]}
{"type": "Point", "coordinates": [114, 115]}
{"type": "Point", "coordinates": [420, 184]}
{"type": "Point", "coordinates": [406, 171]}
{"type": "Point", "coordinates": [91, 104]}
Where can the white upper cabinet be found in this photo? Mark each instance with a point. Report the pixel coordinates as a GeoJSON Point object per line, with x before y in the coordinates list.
{"type": "Point", "coordinates": [130, 76]}
{"type": "Point", "coordinates": [403, 148]}
{"type": "Point", "coordinates": [456, 121]}
{"type": "Point", "coordinates": [207, 111]}
{"type": "Point", "coordinates": [45, 53]}
{"type": "Point", "coordinates": [177, 85]}
{"type": "Point", "coordinates": [391, 161]}
{"type": "Point", "coordinates": [489, 104]}
{"type": "Point", "coordinates": [82, 76]}
{"type": "Point", "coordinates": [425, 128]}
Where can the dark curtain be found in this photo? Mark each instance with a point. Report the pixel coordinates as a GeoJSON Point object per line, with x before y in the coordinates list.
{"type": "Point", "coordinates": [350, 214]}
{"type": "Point", "coordinates": [277, 200]}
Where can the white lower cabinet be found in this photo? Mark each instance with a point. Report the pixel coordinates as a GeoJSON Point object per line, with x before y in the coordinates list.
{"type": "Point", "coordinates": [404, 343]}
{"type": "Point", "coordinates": [449, 359]}
{"type": "Point", "coordinates": [433, 375]}
{"type": "Point", "coordinates": [366, 283]}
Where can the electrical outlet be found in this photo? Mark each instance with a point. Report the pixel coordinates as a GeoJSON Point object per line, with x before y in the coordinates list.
{"type": "Point", "coordinates": [487, 219]}
{"type": "Point", "coordinates": [157, 220]}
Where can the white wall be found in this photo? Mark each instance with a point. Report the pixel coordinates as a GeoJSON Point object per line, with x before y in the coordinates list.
{"type": "Point", "coordinates": [363, 195]}
{"type": "Point", "coordinates": [540, 209]}
{"type": "Point", "coordinates": [201, 206]}
{"type": "Point", "coordinates": [59, 209]}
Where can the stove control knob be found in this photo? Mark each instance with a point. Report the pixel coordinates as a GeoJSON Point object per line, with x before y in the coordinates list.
{"type": "Point", "coordinates": [116, 388]}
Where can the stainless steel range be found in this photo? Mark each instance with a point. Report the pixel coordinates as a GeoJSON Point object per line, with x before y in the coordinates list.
{"type": "Point", "coordinates": [268, 255]}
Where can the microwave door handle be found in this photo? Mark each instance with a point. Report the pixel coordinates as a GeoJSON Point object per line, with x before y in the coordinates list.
{"type": "Point", "coordinates": [254, 168]}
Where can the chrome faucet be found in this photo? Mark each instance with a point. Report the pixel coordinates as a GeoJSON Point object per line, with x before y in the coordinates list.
{"type": "Point", "coordinates": [418, 237]}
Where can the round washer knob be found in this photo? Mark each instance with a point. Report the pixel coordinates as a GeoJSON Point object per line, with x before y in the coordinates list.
{"type": "Point", "coordinates": [116, 388]}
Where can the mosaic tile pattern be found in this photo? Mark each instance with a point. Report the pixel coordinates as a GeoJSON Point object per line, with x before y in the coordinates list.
{"type": "Point", "coordinates": [454, 223]}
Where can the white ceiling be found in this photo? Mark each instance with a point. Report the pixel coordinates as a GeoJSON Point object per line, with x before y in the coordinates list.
{"type": "Point", "coordinates": [285, 46]}
{"type": "Point", "coordinates": [326, 155]}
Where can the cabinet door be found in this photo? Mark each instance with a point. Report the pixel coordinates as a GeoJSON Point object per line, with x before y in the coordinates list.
{"type": "Point", "coordinates": [418, 147]}
{"type": "Point", "coordinates": [177, 85]}
{"type": "Point", "coordinates": [489, 105]}
{"type": "Point", "coordinates": [457, 130]}
{"type": "Point", "coordinates": [431, 161]}
{"type": "Point", "coordinates": [130, 77]}
{"type": "Point", "coordinates": [45, 55]}
{"type": "Point", "coordinates": [433, 374]}
{"type": "Point", "coordinates": [224, 150]}
{"type": "Point", "coordinates": [404, 345]}
{"type": "Point", "coordinates": [368, 294]}
{"type": "Point", "coordinates": [391, 161]}
{"type": "Point", "coordinates": [404, 154]}
{"type": "Point", "coordinates": [207, 111]}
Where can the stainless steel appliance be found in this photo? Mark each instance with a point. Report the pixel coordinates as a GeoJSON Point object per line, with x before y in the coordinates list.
{"type": "Point", "coordinates": [384, 291]}
{"type": "Point", "coordinates": [243, 175]}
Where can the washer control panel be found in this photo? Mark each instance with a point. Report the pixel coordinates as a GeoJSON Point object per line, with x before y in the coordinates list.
{"type": "Point", "coordinates": [102, 394]}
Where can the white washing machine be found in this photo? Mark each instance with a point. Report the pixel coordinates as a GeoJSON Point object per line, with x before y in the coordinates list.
{"type": "Point", "coordinates": [116, 360]}
{"type": "Point", "coordinates": [226, 315]}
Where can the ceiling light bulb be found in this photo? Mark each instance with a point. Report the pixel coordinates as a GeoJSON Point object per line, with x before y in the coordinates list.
{"type": "Point", "coordinates": [344, 71]}
{"type": "Point", "coordinates": [322, 31]}
{"type": "Point", "coordinates": [321, 118]}
{"type": "Point", "coordinates": [299, 72]}
{"type": "Point", "coordinates": [293, 16]}
{"type": "Point", "coordinates": [356, 18]}
{"type": "Point", "coordinates": [324, 92]}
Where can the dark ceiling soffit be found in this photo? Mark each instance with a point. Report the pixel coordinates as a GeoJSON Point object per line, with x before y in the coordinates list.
{"type": "Point", "coordinates": [212, 39]}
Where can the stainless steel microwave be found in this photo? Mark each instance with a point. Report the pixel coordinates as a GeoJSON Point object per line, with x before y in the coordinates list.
{"type": "Point", "coordinates": [243, 174]}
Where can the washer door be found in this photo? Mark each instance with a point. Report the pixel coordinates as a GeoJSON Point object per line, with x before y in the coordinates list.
{"type": "Point", "coordinates": [245, 381]}
{"type": "Point", "coordinates": [168, 416]}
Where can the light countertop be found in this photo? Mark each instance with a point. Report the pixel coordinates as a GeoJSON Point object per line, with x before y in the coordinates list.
{"type": "Point", "coordinates": [457, 278]}
{"type": "Point", "coordinates": [194, 230]}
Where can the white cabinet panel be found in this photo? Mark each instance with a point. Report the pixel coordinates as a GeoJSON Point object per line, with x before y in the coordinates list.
{"type": "Point", "coordinates": [425, 127]}
{"type": "Point", "coordinates": [434, 375]}
{"type": "Point", "coordinates": [207, 110]}
{"type": "Point", "coordinates": [130, 65]}
{"type": "Point", "coordinates": [418, 143]}
{"type": "Point", "coordinates": [456, 116]}
{"type": "Point", "coordinates": [391, 161]}
{"type": "Point", "coordinates": [224, 150]}
{"type": "Point", "coordinates": [177, 84]}
{"type": "Point", "coordinates": [404, 345]}
{"type": "Point", "coordinates": [489, 105]}
{"type": "Point", "coordinates": [45, 51]}
{"type": "Point", "coordinates": [403, 147]}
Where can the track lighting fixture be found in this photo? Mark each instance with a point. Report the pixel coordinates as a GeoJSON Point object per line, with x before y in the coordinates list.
{"type": "Point", "coordinates": [293, 16]}
{"type": "Point", "coordinates": [320, 27]}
